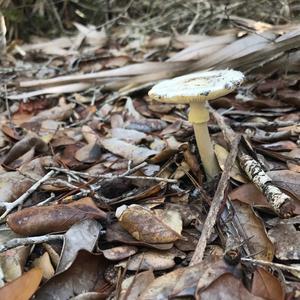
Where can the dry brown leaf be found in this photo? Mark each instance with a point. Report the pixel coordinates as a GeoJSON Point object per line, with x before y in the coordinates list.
{"type": "Point", "coordinates": [81, 236]}
{"type": "Point", "coordinates": [259, 243]}
{"type": "Point", "coordinates": [128, 135]}
{"type": "Point", "coordinates": [286, 240]}
{"type": "Point", "coordinates": [266, 285]}
{"type": "Point", "coordinates": [250, 194]}
{"type": "Point", "coordinates": [227, 287]}
{"type": "Point", "coordinates": [153, 259]}
{"type": "Point", "coordinates": [41, 220]}
{"type": "Point", "coordinates": [13, 185]}
{"type": "Point", "coordinates": [23, 146]}
{"type": "Point", "coordinates": [116, 233]}
{"type": "Point", "coordinates": [12, 263]}
{"type": "Point", "coordinates": [235, 173]}
{"type": "Point", "coordinates": [43, 263]}
{"type": "Point", "coordinates": [133, 286]}
{"type": "Point", "coordinates": [144, 225]}
{"type": "Point", "coordinates": [287, 180]}
{"type": "Point", "coordinates": [131, 152]}
{"type": "Point", "coordinates": [119, 252]}
{"type": "Point", "coordinates": [147, 125]}
{"type": "Point", "coordinates": [183, 281]}
{"type": "Point", "coordinates": [23, 287]}
{"type": "Point", "coordinates": [280, 146]}
{"type": "Point", "coordinates": [89, 153]}
{"type": "Point", "coordinates": [86, 274]}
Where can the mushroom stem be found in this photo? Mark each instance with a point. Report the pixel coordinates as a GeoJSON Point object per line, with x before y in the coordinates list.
{"type": "Point", "coordinates": [206, 150]}
{"type": "Point", "coordinates": [198, 117]}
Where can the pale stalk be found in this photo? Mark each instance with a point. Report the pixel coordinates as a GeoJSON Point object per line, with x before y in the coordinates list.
{"type": "Point", "coordinates": [198, 117]}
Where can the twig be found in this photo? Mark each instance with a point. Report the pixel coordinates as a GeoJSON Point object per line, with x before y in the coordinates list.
{"type": "Point", "coordinates": [46, 201]}
{"type": "Point", "coordinates": [30, 241]}
{"type": "Point", "coordinates": [101, 176]}
{"type": "Point", "coordinates": [216, 204]}
{"type": "Point", "coordinates": [271, 264]}
{"type": "Point", "coordinates": [281, 203]}
{"type": "Point", "coordinates": [10, 206]}
{"type": "Point", "coordinates": [254, 170]}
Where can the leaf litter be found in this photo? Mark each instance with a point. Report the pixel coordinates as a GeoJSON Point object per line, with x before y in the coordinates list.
{"type": "Point", "coordinates": [126, 201]}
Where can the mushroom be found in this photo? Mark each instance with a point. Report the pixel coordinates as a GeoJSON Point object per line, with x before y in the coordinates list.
{"type": "Point", "coordinates": [195, 89]}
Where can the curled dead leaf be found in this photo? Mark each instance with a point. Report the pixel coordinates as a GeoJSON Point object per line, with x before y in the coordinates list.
{"type": "Point", "coordinates": [41, 220]}
{"type": "Point", "coordinates": [145, 225]}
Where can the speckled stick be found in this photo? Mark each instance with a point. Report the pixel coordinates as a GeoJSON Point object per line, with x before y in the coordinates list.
{"type": "Point", "coordinates": [280, 202]}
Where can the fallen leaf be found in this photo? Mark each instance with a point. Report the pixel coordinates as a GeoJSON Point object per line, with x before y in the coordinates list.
{"type": "Point", "coordinates": [23, 287]}
{"type": "Point", "coordinates": [147, 125]}
{"type": "Point", "coordinates": [183, 281]}
{"type": "Point", "coordinates": [12, 263]}
{"type": "Point", "coordinates": [24, 146]}
{"type": "Point", "coordinates": [266, 285]}
{"type": "Point", "coordinates": [54, 218]}
{"type": "Point", "coordinates": [128, 135]}
{"type": "Point", "coordinates": [86, 274]}
{"type": "Point", "coordinates": [259, 244]}
{"type": "Point", "coordinates": [287, 180]}
{"type": "Point", "coordinates": [133, 286]}
{"type": "Point", "coordinates": [131, 152]}
{"type": "Point", "coordinates": [250, 194]}
{"type": "Point", "coordinates": [13, 185]}
{"type": "Point", "coordinates": [227, 287]}
{"type": "Point", "coordinates": [120, 252]}
{"type": "Point", "coordinates": [153, 259]}
{"type": "Point", "coordinates": [43, 263]}
{"type": "Point", "coordinates": [280, 146]}
{"type": "Point", "coordinates": [235, 173]}
{"type": "Point", "coordinates": [81, 236]}
{"type": "Point", "coordinates": [116, 233]}
{"type": "Point", "coordinates": [286, 240]}
{"type": "Point", "coordinates": [89, 154]}
{"type": "Point", "coordinates": [145, 226]}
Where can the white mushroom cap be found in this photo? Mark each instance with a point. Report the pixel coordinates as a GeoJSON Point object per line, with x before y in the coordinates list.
{"type": "Point", "coordinates": [200, 86]}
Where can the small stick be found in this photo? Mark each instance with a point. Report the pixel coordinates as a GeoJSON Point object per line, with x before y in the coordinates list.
{"type": "Point", "coordinates": [270, 264]}
{"type": "Point", "coordinates": [216, 204]}
{"type": "Point", "coordinates": [30, 241]}
{"type": "Point", "coordinates": [46, 201]}
{"type": "Point", "coordinates": [10, 206]}
{"type": "Point", "coordinates": [84, 174]}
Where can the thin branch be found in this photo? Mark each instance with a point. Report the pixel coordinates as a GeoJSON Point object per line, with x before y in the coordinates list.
{"type": "Point", "coordinates": [101, 176]}
{"type": "Point", "coordinates": [271, 264]}
{"type": "Point", "coordinates": [10, 206]}
{"type": "Point", "coordinates": [216, 204]}
{"type": "Point", "coordinates": [30, 241]}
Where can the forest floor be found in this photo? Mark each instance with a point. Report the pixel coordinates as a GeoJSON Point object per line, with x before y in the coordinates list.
{"type": "Point", "coordinates": [103, 192]}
